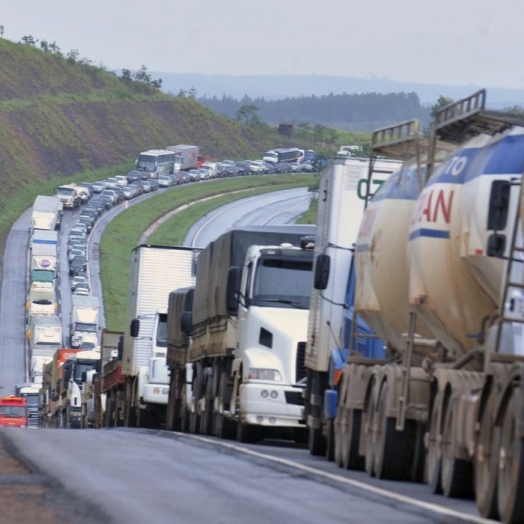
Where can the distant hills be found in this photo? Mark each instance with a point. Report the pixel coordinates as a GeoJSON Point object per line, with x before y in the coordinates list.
{"type": "Point", "coordinates": [276, 87]}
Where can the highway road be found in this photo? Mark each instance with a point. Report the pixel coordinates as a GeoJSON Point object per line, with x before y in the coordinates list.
{"type": "Point", "coordinates": [158, 476]}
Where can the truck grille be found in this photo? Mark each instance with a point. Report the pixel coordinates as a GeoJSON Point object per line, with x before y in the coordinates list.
{"type": "Point", "coordinates": [300, 370]}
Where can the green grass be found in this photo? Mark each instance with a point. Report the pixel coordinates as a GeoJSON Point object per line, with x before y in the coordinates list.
{"type": "Point", "coordinates": [123, 233]}
{"type": "Point", "coordinates": [310, 216]}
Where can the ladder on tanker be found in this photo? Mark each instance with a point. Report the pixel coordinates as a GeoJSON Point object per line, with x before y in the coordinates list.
{"type": "Point", "coordinates": [513, 282]}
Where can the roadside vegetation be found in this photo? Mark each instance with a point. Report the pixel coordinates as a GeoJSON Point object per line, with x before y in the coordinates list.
{"type": "Point", "coordinates": [123, 233]}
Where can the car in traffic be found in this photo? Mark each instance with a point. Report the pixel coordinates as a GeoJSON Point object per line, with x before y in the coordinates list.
{"type": "Point", "coordinates": [113, 195]}
{"type": "Point", "coordinates": [111, 182]}
{"type": "Point", "coordinates": [78, 232]}
{"type": "Point", "coordinates": [121, 180]}
{"type": "Point", "coordinates": [137, 186]}
{"type": "Point", "coordinates": [78, 264]}
{"type": "Point", "coordinates": [76, 252]}
{"type": "Point", "coordinates": [98, 186]}
{"type": "Point", "coordinates": [81, 290]}
{"type": "Point", "coordinates": [146, 186]}
{"type": "Point", "coordinates": [154, 184]}
{"type": "Point", "coordinates": [78, 279]}
{"type": "Point", "coordinates": [129, 192]}
{"type": "Point", "coordinates": [107, 201]}
{"type": "Point", "coordinates": [133, 176]}
{"type": "Point", "coordinates": [165, 181]}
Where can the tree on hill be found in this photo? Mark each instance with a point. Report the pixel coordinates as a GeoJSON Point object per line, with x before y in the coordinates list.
{"type": "Point", "coordinates": [442, 101]}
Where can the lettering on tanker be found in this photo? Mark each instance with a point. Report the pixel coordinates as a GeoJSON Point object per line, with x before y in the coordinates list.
{"type": "Point", "coordinates": [434, 207]}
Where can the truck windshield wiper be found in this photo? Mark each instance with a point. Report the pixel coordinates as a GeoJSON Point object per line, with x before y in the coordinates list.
{"type": "Point", "coordinates": [297, 305]}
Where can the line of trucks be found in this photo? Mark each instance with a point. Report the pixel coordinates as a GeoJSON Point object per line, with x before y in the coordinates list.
{"type": "Point", "coordinates": [396, 344]}
{"type": "Point", "coordinates": [413, 356]}
{"type": "Point", "coordinates": [45, 339]}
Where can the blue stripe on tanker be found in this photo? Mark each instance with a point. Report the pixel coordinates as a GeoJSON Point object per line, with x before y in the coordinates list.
{"type": "Point", "coordinates": [432, 233]}
{"type": "Point", "coordinates": [505, 157]}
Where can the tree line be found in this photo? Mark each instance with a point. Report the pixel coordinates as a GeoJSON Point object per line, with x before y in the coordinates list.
{"type": "Point", "coordinates": [327, 109]}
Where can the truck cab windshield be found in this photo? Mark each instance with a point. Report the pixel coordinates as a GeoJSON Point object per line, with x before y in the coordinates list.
{"type": "Point", "coordinates": [80, 367]}
{"type": "Point", "coordinates": [67, 191]}
{"type": "Point", "coordinates": [86, 328]}
{"type": "Point", "coordinates": [12, 411]}
{"type": "Point", "coordinates": [282, 283]}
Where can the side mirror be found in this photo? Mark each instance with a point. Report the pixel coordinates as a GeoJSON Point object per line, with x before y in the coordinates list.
{"type": "Point", "coordinates": [134, 328]}
{"type": "Point", "coordinates": [58, 384]}
{"type": "Point", "coordinates": [84, 376]}
{"type": "Point", "coordinates": [234, 275]}
{"type": "Point", "coordinates": [95, 377]}
{"type": "Point", "coordinates": [496, 245]}
{"type": "Point", "coordinates": [322, 267]}
{"type": "Point", "coordinates": [186, 323]}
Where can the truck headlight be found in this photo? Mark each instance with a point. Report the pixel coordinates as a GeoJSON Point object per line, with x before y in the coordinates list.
{"type": "Point", "coordinates": [264, 374]}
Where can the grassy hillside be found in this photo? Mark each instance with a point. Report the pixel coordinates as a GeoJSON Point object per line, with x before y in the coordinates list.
{"type": "Point", "coordinates": [59, 118]}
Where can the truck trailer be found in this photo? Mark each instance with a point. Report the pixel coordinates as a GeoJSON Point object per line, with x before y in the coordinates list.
{"type": "Point", "coordinates": [442, 286]}
{"type": "Point", "coordinates": [51, 391]}
{"type": "Point", "coordinates": [137, 385]}
{"type": "Point", "coordinates": [44, 337]}
{"type": "Point", "coordinates": [46, 213]}
{"type": "Point", "coordinates": [343, 188]}
{"type": "Point", "coordinates": [85, 321]}
{"type": "Point", "coordinates": [248, 327]}
{"type": "Point", "coordinates": [186, 156]}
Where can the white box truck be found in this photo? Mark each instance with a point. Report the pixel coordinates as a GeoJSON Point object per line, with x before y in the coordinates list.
{"type": "Point", "coordinates": [139, 396]}
{"type": "Point", "coordinates": [47, 213]}
{"type": "Point", "coordinates": [44, 337]}
{"type": "Point", "coordinates": [85, 316]}
{"type": "Point", "coordinates": [44, 248]}
{"type": "Point", "coordinates": [186, 156]}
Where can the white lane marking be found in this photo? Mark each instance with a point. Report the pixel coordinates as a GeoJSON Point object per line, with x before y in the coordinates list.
{"type": "Point", "coordinates": [441, 510]}
{"type": "Point", "coordinates": [285, 211]}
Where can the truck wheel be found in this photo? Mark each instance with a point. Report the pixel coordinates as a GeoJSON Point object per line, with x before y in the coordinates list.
{"type": "Point", "coordinates": [370, 423]}
{"type": "Point", "coordinates": [109, 411]}
{"type": "Point", "coordinates": [330, 440]}
{"type": "Point", "coordinates": [206, 418]}
{"type": "Point", "coordinates": [351, 459]}
{"type": "Point", "coordinates": [393, 449]}
{"type": "Point", "coordinates": [316, 442]}
{"type": "Point", "coordinates": [248, 434]}
{"type": "Point", "coordinates": [511, 466]}
{"type": "Point", "coordinates": [457, 474]}
{"type": "Point", "coordinates": [339, 437]}
{"type": "Point", "coordinates": [184, 413]}
{"type": "Point", "coordinates": [224, 427]}
{"type": "Point", "coordinates": [486, 463]}
{"type": "Point", "coordinates": [434, 456]}
{"type": "Point", "coordinates": [130, 416]}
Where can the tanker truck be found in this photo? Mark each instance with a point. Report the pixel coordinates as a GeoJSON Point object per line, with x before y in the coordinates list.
{"type": "Point", "coordinates": [342, 190]}
{"type": "Point", "coordinates": [248, 327]}
{"type": "Point", "coordinates": [442, 286]}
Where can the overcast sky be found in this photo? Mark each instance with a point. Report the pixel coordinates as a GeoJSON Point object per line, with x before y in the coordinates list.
{"type": "Point", "coordinates": [456, 42]}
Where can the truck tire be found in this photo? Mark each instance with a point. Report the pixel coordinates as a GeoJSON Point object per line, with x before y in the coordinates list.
{"type": "Point", "coordinates": [370, 421]}
{"type": "Point", "coordinates": [393, 449]}
{"type": "Point", "coordinates": [316, 442]}
{"type": "Point", "coordinates": [351, 459]}
{"type": "Point", "coordinates": [511, 465]}
{"type": "Point", "coordinates": [330, 440]}
{"type": "Point", "coordinates": [206, 418]}
{"type": "Point", "coordinates": [224, 427]}
{"type": "Point", "coordinates": [487, 463]}
{"type": "Point", "coordinates": [434, 456]}
{"type": "Point", "coordinates": [248, 434]}
{"type": "Point", "coordinates": [457, 474]}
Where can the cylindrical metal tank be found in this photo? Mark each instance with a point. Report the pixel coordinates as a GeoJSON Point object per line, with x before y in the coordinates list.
{"type": "Point", "coordinates": [381, 295]}
{"type": "Point", "coordinates": [453, 285]}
